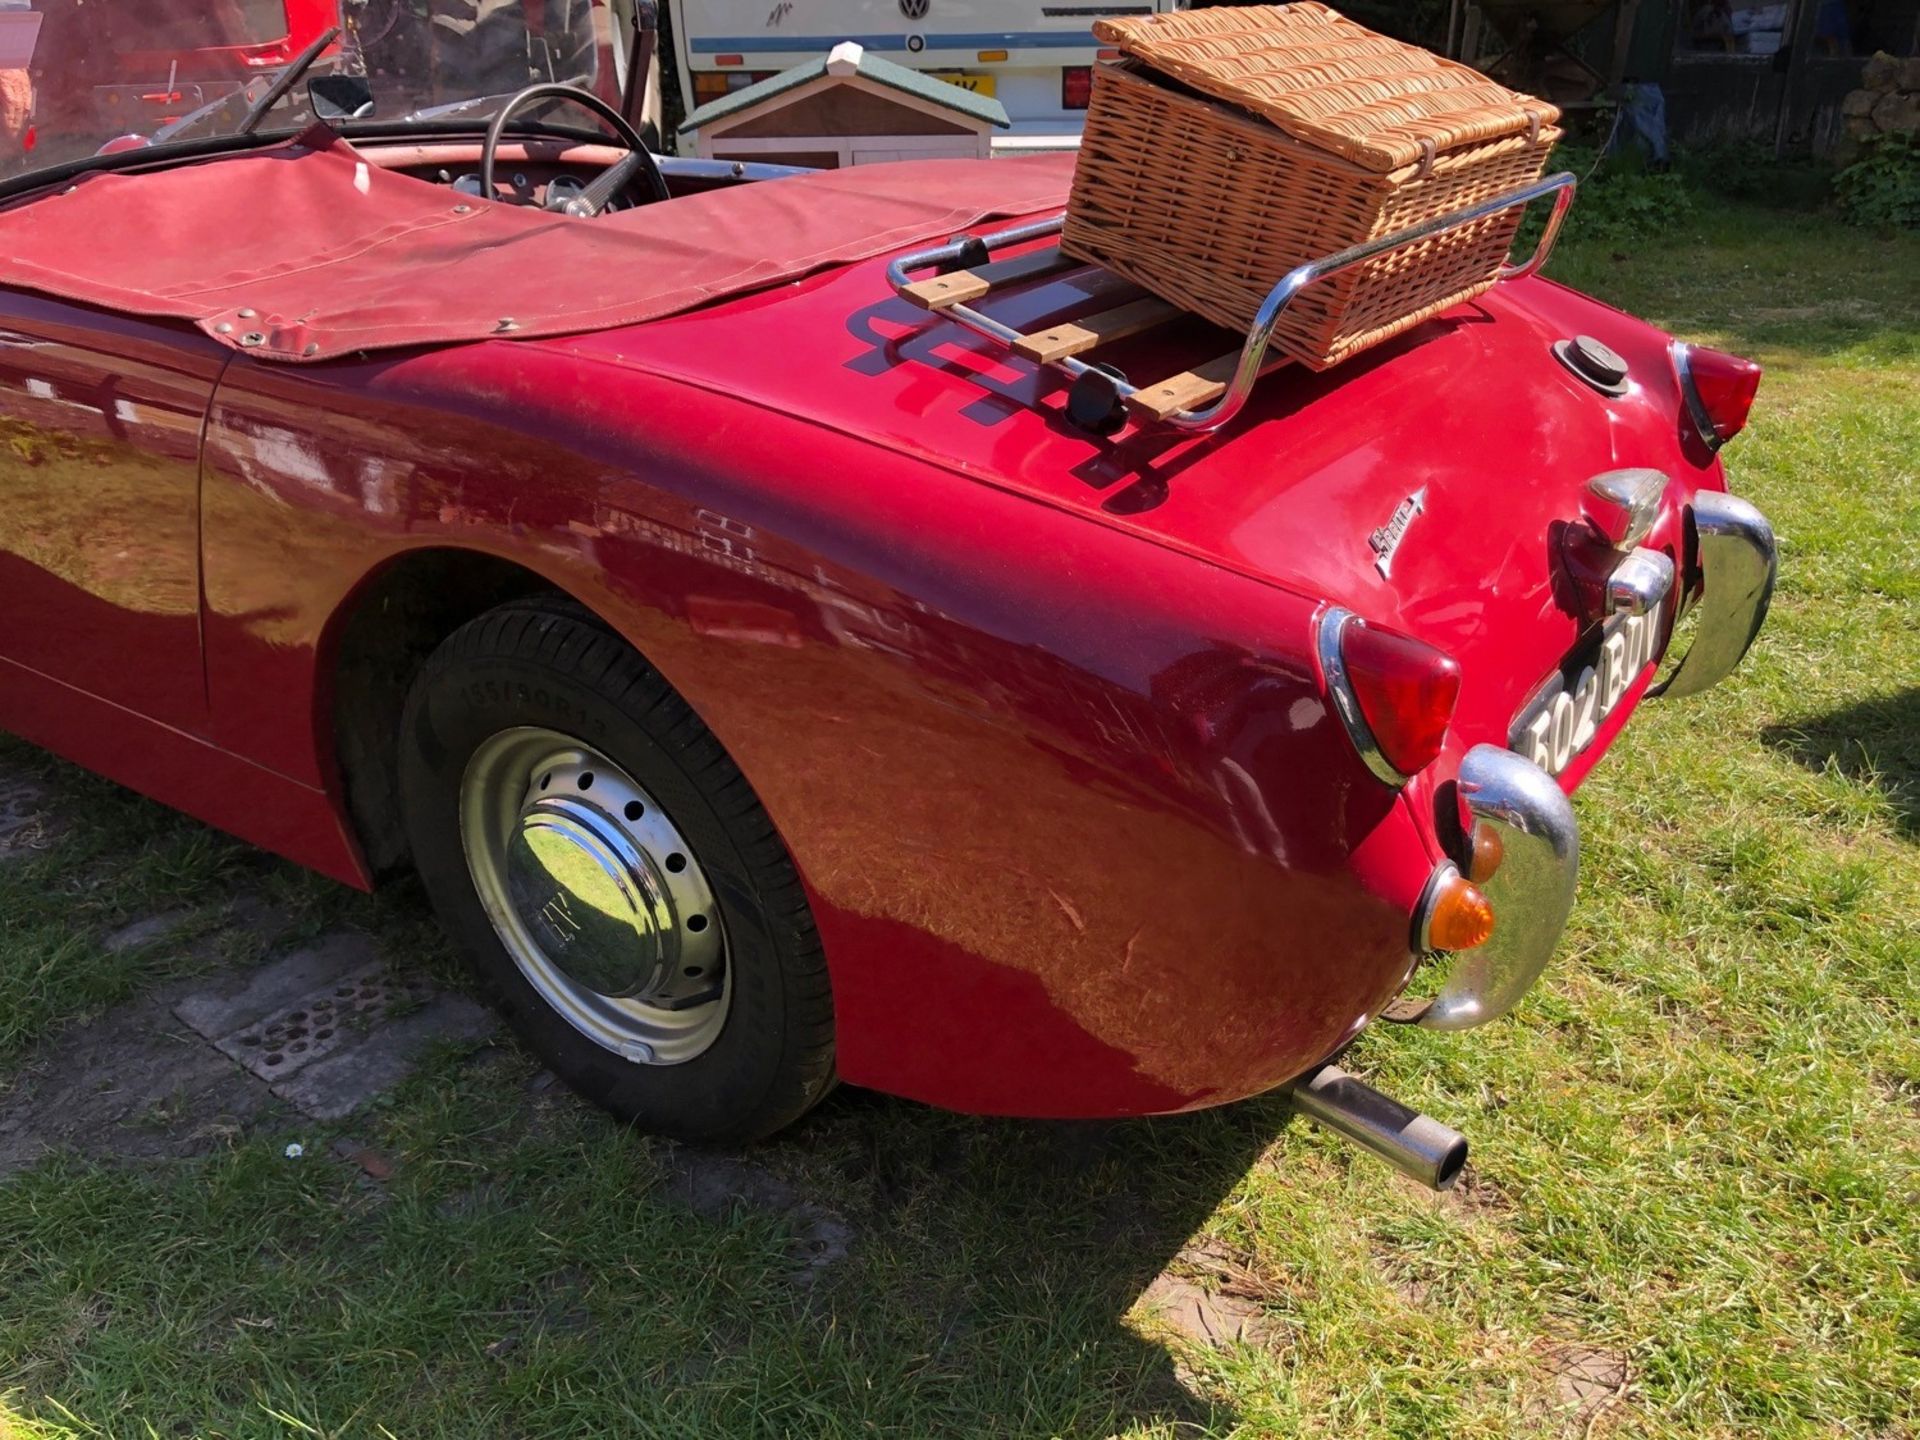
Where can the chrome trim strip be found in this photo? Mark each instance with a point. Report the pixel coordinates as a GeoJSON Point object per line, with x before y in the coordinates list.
{"type": "Point", "coordinates": [1253, 352]}
{"type": "Point", "coordinates": [1531, 893]}
{"type": "Point", "coordinates": [1696, 410]}
{"type": "Point", "coordinates": [1739, 562]}
{"type": "Point", "coordinates": [693, 167]}
{"type": "Point", "coordinates": [1346, 704]}
{"type": "Point", "coordinates": [899, 41]}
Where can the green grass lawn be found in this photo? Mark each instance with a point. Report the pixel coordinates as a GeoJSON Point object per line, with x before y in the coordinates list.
{"type": "Point", "coordinates": [1696, 1179]}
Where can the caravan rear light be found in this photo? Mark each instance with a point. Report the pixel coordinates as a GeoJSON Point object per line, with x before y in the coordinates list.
{"type": "Point", "coordinates": [729, 59]}
{"type": "Point", "coordinates": [1076, 87]}
{"type": "Point", "coordinates": [1394, 695]}
{"type": "Point", "coordinates": [1718, 389]}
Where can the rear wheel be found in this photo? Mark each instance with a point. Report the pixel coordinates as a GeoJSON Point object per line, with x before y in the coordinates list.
{"type": "Point", "coordinates": [612, 878]}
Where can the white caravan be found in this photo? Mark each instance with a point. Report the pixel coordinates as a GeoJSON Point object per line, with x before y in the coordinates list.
{"type": "Point", "coordinates": [1035, 58]}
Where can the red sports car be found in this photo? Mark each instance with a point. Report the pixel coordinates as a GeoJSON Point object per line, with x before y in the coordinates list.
{"type": "Point", "coordinates": [775, 675]}
{"type": "Point", "coordinates": [105, 69]}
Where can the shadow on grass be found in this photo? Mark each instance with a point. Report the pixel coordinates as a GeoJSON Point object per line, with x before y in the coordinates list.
{"type": "Point", "coordinates": [1010, 1254]}
{"type": "Point", "coordinates": [882, 1267]}
{"type": "Point", "coordinates": [1872, 742]}
{"type": "Point", "coordinates": [532, 1269]}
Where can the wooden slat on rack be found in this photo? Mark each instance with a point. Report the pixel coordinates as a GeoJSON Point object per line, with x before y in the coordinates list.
{"type": "Point", "coordinates": [1073, 336]}
{"type": "Point", "coordinates": [1185, 391]}
{"type": "Point", "coordinates": [963, 285]}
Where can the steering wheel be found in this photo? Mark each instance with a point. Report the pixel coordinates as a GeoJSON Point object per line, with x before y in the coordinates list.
{"type": "Point", "coordinates": [639, 163]}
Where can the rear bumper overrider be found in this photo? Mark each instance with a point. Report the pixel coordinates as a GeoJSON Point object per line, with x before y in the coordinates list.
{"type": "Point", "coordinates": [1531, 893]}
{"type": "Point", "coordinates": [1737, 561]}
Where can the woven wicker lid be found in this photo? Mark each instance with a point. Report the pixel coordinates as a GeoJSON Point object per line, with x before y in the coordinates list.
{"type": "Point", "coordinates": [1323, 79]}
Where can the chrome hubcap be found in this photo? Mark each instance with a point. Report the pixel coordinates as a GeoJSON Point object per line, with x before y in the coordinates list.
{"type": "Point", "coordinates": [596, 895]}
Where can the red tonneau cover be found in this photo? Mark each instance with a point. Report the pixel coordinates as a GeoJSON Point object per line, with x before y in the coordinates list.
{"type": "Point", "coordinates": [306, 251]}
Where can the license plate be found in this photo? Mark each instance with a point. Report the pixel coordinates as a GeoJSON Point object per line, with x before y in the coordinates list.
{"type": "Point", "coordinates": [1562, 718]}
{"type": "Point", "coordinates": [978, 84]}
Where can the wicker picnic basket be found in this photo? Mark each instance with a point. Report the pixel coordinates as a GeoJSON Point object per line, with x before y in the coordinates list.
{"type": "Point", "coordinates": [1231, 145]}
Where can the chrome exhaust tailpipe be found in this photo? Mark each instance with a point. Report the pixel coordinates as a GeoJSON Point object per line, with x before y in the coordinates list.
{"type": "Point", "coordinates": [1416, 1144]}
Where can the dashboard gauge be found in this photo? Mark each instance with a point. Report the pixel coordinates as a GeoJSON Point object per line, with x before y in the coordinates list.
{"type": "Point", "coordinates": [468, 184]}
{"type": "Point", "coordinates": [563, 189]}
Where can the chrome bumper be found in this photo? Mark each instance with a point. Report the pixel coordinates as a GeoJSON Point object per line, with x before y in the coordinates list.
{"type": "Point", "coordinates": [1738, 562]}
{"type": "Point", "coordinates": [1531, 892]}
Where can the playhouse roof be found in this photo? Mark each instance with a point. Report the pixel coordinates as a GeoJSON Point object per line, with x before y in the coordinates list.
{"type": "Point", "coordinates": [847, 59]}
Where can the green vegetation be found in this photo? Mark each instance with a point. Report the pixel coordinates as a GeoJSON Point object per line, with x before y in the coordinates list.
{"type": "Point", "coordinates": [1624, 201]}
{"type": "Point", "coordinates": [1695, 1201]}
{"type": "Point", "coordinates": [1882, 187]}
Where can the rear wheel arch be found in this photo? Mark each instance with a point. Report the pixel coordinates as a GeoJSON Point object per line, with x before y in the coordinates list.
{"type": "Point", "coordinates": [375, 646]}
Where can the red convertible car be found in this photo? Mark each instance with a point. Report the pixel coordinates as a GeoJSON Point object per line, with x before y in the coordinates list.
{"type": "Point", "coordinates": [776, 676]}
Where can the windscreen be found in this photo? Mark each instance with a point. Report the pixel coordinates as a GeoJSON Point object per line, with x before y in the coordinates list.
{"type": "Point", "coordinates": [77, 75]}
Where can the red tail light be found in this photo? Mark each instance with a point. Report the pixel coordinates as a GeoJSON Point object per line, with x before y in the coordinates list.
{"type": "Point", "coordinates": [1405, 692]}
{"type": "Point", "coordinates": [1076, 87]}
{"type": "Point", "coordinates": [1719, 390]}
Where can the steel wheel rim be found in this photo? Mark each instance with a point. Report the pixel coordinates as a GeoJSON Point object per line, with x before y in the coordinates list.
{"type": "Point", "coordinates": [596, 895]}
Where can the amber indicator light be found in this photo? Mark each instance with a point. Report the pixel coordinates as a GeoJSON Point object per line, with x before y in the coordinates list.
{"type": "Point", "coordinates": [1461, 917]}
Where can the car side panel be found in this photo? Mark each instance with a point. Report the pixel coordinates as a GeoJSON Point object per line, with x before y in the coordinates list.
{"type": "Point", "coordinates": [301, 822]}
{"type": "Point", "coordinates": [99, 567]}
{"type": "Point", "coordinates": [1081, 835]}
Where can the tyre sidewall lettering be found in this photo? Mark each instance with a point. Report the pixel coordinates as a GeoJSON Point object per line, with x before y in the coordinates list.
{"type": "Point", "coordinates": [491, 695]}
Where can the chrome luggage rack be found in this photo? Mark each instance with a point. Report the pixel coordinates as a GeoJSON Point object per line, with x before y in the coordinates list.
{"type": "Point", "coordinates": [1204, 398]}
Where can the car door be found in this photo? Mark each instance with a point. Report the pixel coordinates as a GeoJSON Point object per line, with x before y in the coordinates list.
{"type": "Point", "coordinates": [100, 425]}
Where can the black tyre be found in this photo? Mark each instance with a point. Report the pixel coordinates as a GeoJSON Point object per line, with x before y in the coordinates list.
{"type": "Point", "coordinates": [612, 878]}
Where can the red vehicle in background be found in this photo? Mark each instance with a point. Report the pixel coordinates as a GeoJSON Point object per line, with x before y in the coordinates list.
{"type": "Point", "coordinates": [131, 68]}
{"type": "Point", "coordinates": [106, 73]}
